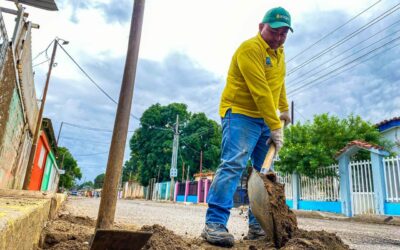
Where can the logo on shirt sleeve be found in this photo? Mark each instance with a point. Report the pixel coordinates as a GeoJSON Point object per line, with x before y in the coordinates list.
{"type": "Point", "coordinates": [268, 61]}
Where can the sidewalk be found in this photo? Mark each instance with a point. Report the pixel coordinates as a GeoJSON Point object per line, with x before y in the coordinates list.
{"type": "Point", "coordinates": [375, 219]}
{"type": "Point", "coordinates": [23, 215]}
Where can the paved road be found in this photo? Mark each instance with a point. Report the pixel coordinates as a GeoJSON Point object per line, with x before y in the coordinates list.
{"type": "Point", "coordinates": [188, 220]}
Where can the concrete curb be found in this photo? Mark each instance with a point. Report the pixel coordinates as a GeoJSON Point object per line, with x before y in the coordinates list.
{"type": "Point", "coordinates": [374, 219]}
{"type": "Point", "coordinates": [23, 215]}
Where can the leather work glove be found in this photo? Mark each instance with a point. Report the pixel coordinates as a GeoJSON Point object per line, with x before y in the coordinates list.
{"type": "Point", "coordinates": [277, 138]}
{"type": "Point", "coordinates": [285, 117]}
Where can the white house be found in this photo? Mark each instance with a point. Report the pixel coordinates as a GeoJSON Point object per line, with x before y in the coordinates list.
{"type": "Point", "coordinates": [390, 129]}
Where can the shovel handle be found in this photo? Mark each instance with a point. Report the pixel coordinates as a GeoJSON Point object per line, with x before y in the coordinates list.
{"type": "Point", "coordinates": [269, 158]}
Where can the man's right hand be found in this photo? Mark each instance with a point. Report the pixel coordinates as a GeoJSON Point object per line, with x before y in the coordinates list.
{"type": "Point", "coordinates": [277, 139]}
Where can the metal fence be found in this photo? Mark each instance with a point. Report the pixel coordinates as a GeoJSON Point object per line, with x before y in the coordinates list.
{"type": "Point", "coordinates": [324, 187]}
{"type": "Point", "coordinates": [287, 180]}
{"type": "Point", "coordinates": [392, 178]}
{"type": "Point", "coordinates": [361, 183]}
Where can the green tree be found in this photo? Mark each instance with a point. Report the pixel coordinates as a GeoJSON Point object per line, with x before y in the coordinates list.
{"type": "Point", "coordinates": [66, 161]}
{"type": "Point", "coordinates": [151, 144]}
{"type": "Point", "coordinates": [86, 184]}
{"type": "Point", "coordinates": [314, 144]}
{"type": "Point", "coordinates": [99, 180]}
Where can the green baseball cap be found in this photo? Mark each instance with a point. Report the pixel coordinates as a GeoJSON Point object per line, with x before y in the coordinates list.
{"type": "Point", "coordinates": [277, 17]}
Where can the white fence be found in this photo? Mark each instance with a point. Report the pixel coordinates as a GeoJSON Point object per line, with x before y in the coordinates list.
{"type": "Point", "coordinates": [324, 187]}
{"type": "Point", "coordinates": [287, 180]}
{"type": "Point", "coordinates": [362, 188]}
{"type": "Point", "coordinates": [392, 178]}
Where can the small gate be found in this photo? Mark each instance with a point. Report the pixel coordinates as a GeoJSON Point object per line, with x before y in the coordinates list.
{"type": "Point", "coordinates": [362, 188]}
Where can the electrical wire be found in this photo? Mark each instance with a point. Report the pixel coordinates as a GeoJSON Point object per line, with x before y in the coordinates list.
{"type": "Point", "coordinates": [346, 38]}
{"type": "Point", "coordinates": [91, 128]}
{"type": "Point", "coordinates": [99, 153]}
{"type": "Point", "coordinates": [338, 59]}
{"type": "Point", "coordinates": [40, 63]}
{"type": "Point", "coordinates": [332, 31]}
{"type": "Point", "coordinates": [101, 89]}
{"type": "Point", "coordinates": [43, 51]}
{"type": "Point", "coordinates": [315, 82]}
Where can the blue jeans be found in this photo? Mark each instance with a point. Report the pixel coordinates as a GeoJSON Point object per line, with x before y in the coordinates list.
{"type": "Point", "coordinates": [243, 138]}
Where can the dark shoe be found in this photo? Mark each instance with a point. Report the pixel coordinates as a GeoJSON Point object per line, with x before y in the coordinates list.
{"type": "Point", "coordinates": [217, 234]}
{"type": "Point", "coordinates": [255, 233]}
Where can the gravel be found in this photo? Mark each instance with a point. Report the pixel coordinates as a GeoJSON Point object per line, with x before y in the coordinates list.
{"type": "Point", "coordinates": [188, 220]}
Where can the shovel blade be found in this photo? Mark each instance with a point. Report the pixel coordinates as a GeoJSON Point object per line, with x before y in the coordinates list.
{"type": "Point", "coordinates": [119, 240]}
{"type": "Point", "coordinates": [259, 203]}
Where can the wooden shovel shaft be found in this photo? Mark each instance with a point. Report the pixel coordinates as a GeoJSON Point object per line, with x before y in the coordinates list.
{"type": "Point", "coordinates": [268, 159]}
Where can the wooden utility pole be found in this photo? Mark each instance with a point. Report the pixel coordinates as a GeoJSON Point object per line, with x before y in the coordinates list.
{"type": "Point", "coordinates": [39, 120]}
{"type": "Point", "coordinates": [105, 218]}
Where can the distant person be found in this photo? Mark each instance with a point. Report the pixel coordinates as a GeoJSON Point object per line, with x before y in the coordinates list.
{"type": "Point", "coordinates": [254, 92]}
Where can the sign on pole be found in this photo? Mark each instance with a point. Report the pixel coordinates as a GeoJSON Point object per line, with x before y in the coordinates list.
{"type": "Point", "coordinates": [173, 172]}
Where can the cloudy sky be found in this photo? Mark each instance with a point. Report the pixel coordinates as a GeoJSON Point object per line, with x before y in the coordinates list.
{"type": "Point", "coordinates": [338, 60]}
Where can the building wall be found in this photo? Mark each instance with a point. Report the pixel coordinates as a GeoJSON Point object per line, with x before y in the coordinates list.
{"type": "Point", "coordinates": [39, 163]}
{"type": "Point", "coordinates": [393, 135]}
{"type": "Point", "coordinates": [10, 144]}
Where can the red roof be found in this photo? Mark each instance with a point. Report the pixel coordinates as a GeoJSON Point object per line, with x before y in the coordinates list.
{"type": "Point", "coordinates": [360, 144]}
{"type": "Point", "coordinates": [387, 121]}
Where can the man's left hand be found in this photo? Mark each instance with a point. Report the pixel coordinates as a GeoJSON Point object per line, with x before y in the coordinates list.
{"type": "Point", "coordinates": [285, 117]}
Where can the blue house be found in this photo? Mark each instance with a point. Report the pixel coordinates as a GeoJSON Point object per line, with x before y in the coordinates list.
{"type": "Point", "coordinates": [390, 129]}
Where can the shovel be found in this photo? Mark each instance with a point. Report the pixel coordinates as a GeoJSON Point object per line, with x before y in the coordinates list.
{"type": "Point", "coordinates": [259, 197]}
{"type": "Point", "coordinates": [109, 239]}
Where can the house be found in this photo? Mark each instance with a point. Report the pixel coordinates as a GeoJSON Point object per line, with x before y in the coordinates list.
{"type": "Point", "coordinates": [45, 172]}
{"type": "Point", "coordinates": [390, 129]}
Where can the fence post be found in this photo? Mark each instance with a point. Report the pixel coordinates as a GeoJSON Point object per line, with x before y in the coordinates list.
{"type": "Point", "coordinates": [378, 182]}
{"type": "Point", "coordinates": [186, 190]}
{"type": "Point", "coordinates": [205, 190]}
{"type": "Point", "coordinates": [295, 190]}
{"type": "Point", "coordinates": [345, 188]}
{"type": "Point", "coordinates": [176, 190]}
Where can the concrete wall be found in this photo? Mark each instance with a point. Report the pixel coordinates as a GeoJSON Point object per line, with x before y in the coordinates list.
{"type": "Point", "coordinates": [13, 137]}
{"type": "Point", "coordinates": [18, 110]}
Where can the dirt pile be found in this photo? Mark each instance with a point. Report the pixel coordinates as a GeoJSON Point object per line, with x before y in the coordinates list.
{"type": "Point", "coordinates": [74, 232]}
{"type": "Point", "coordinates": [164, 239]}
{"type": "Point", "coordinates": [287, 235]}
{"type": "Point", "coordinates": [285, 222]}
{"type": "Point", "coordinates": [315, 240]}
{"type": "Point", "coordinates": [67, 232]}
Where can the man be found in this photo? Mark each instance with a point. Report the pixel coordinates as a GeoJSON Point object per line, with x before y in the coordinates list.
{"type": "Point", "coordinates": [254, 91]}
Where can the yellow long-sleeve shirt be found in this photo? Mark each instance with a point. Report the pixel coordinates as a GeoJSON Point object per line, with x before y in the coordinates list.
{"type": "Point", "coordinates": [255, 85]}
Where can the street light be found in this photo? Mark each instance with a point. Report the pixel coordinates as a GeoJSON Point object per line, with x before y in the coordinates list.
{"type": "Point", "coordinates": [40, 115]}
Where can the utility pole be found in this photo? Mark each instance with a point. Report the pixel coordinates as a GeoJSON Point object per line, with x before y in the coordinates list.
{"type": "Point", "coordinates": [105, 218]}
{"type": "Point", "coordinates": [183, 171]}
{"type": "Point", "coordinates": [39, 121]}
{"type": "Point", "coordinates": [59, 133]}
{"type": "Point", "coordinates": [201, 163]}
{"type": "Point", "coordinates": [187, 175]}
{"type": "Point", "coordinates": [173, 172]}
{"type": "Point", "coordinates": [292, 112]}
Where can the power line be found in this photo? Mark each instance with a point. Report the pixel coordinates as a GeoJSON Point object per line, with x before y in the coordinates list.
{"type": "Point", "coordinates": [77, 139]}
{"type": "Point", "coordinates": [40, 63]}
{"type": "Point", "coordinates": [99, 153]}
{"type": "Point", "coordinates": [346, 38]}
{"type": "Point", "coordinates": [334, 30]}
{"type": "Point", "coordinates": [43, 51]}
{"type": "Point", "coordinates": [314, 82]}
{"type": "Point", "coordinates": [91, 128]}
{"type": "Point", "coordinates": [298, 112]}
{"type": "Point", "coordinates": [101, 89]}
{"type": "Point", "coordinates": [335, 61]}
